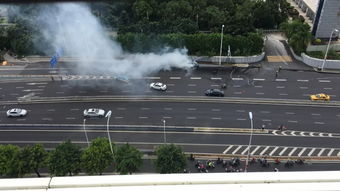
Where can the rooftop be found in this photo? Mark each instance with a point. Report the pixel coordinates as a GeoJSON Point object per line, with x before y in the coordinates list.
{"type": "Point", "coordinates": [312, 4]}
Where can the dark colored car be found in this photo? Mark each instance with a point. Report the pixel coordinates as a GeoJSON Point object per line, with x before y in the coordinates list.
{"type": "Point", "coordinates": [214, 92]}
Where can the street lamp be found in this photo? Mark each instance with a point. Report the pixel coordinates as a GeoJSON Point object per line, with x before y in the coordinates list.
{"type": "Point", "coordinates": [221, 45]}
{"type": "Point", "coordinates": [108, 115]}
{"type": "Point", "coordinates": [164, 135]}
{"type": "Point", "coordinates": [251, 136]}
{"type": "Point", "coordinates": [87, 139]}
{"type": "Point", "coordinates": [329, 42]}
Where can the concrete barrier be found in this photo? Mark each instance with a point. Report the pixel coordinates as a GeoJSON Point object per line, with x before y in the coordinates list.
{"type": "Point", "coordinates": [231, 59]}
{"type": "Point", "coordinates": [317, 63]}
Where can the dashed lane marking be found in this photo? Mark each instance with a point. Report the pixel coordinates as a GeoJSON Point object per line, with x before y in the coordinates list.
{"type": "Point", "coordinates": [215, 109]}
{"type": "Point", "coordinates": [214, 85]}
{"type": "Point", "coordinates": [170, 84]}
{"type": "Point", "coordinates": [321, 151]}
{"type": "Point", "coordinates": [293, 133]}
{"type": "Point", "coordinates": [19, 87]}
{"type": "Point", "coordinates": [167, 117]}
{"type": "Point", "coordinates": [290, 113]}
{"type": "Point", "coordinates": [216, 118]}
{"type": "Point", "coordinates": [235, 151]}
{"type": "Point", "coordinates": [292, 151]}
{"type": "Point", "coordinates": [311, 152]}
{"type": "Point", "coordinates": [215, 78]}
{"type": "Point", "coordinates": [192, 92]}
{"type": "Point", "coordinates": [192, 85]}
{"type": "Point", "coordinates": [241, 119]}
{"type": "Point", "coordinates": [191, 118]}
{"type": "Point", "coordinates": [303, 88]}
{"type": "Point", "coordinates": [316, 114]}
{"type": "Point", "coordinates": [145, 108]}
{"type": "Point", "coordinates": [244, 151]}
{"type": "Point", "coordinates": [280, 80]}
{"type": "Point", "coordinates": [195, 78]}
{"type": "Point", "coordinates": [152, 78]}
{"type": "Point", "coordinates": [70, 118]}
{"type": "Point", "coordinates": [302, 151]}
{"type": "Point", "coordinates": [175, 78]}
{"type": "Point", "coordinates": [259, 93]}
{"type": "Point", "coordinates": [236, 86]}
{"type": "Point", "coordinates": [237, 92]}
{"type": "Point", "coordinates": [292, 121]}
{"type": "Point", "coordinates": [191, 109]}
{"type": "Point", "coordinates": [143, 117]}
{"type": "Point", "coordinates": [118, 117]}
{"type": "Point", "coordinates": [258, 86]}
{"type": "Point", "coordinates": [264, 150]}
{"type": "Point", "coordinates": [240, 111]}
{"type": "Point", "coordinates": [283, 94]}
{"type": "Point", "coordinates": [266, 120]}
{"type": "Point", "coordinates": [75, 109]}
{"type": "Point", "coordinates": [283, 150]}
{"type": "Point", "coordinates": [273, 151]}
{"type": "Point", "coordinates": [319, 123]}
{"type": "Point", "coordinates": [330, 152]}
{"type": "Point", "coordinates": [280, 87]}
{"type": "Point", "coordinates": [51, 110]}
{"type": "Point", "coordinates": [302, 80]}
{"type": "Point", "coordinates": [168, 108]}
{"type": "Point", "coordinates": [327, 88]}
{"type": "Point", "coordinates": [324, 81]}
{"type": "Point", "coordinates": [237, 79]}
{"type": "Point", "coordinates": [254, 151]}
{"type": "Point", "coordinates": [259, 79]}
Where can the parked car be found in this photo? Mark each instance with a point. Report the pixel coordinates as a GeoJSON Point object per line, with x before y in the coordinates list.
{"type": "Point", "coordinates": [16, 112]}
{"type": "Point", "coordinates": [321, 96]}
{"type": "Point", "coordinates": [94, 112]}
{"type": "Point", "coordinates": [158, 86]}
{"type": "Point", "coordinates": [214, 92]}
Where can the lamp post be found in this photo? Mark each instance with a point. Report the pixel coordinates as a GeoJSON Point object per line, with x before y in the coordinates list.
{"type": "Point", "coordinates": [108, 115]}
{"type": "Point", "coordinates": [164, 135]}
{"type": "Point", "coordinates": [329, 42]}
{"type": "Point", "coordinates": [221, 45]}
{"type": "Point", "coordinates": [251, 136]}
{"type": "Point", "coordinates": [87, 139]}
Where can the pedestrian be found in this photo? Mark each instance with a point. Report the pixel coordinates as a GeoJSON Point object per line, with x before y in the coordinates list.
{"type": "Point", "coordinates": [263, 126]}
{"type": "Point", "coordinates": [280, 68]}
{"type": "Point", "coordinates": [276, 169]}
{"type": "Point", "coordinates": [276, 74]}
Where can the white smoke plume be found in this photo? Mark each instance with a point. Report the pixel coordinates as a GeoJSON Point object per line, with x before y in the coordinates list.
{"type": "Point", "coordinates": [73, 28]}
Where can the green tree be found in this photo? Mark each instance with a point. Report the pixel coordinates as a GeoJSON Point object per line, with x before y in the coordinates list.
{"type": "Point", "coordinates": [298, 35]}
{"type": "Point", "coordinates": [170, 159]}
{"type": "Point", "coordinates": [128, 159]}
{"type": "Point", "coordinates": [142, 9]}
{"type": "Point", "coordinates": [97, 157]}
{"type": "Point", "coordinates": [65, 159]}
{"type": "Point", "coordinates": [32, 158]}
{"type": "Point", "coordinates": [9, 161]}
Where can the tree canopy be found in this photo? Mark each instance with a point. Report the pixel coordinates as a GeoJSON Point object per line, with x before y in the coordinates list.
{"type": "Point", "coordinates": [128, 159]}
{"type": "Point", "coordinates": [170, 159]}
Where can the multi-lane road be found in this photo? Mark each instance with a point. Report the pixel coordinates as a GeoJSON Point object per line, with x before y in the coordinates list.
{"type": "Point", "coordinates": [198, 123]}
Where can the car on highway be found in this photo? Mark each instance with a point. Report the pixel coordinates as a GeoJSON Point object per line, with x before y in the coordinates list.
{"type": "Point", "coordinates": [16, 112]}
{"type": "Point", "coordinates": [320, 96]}
{"type": "Point", "coordinates": [214, 92]}
{"type": "Point", "coordinates": [94, 112]}
{"type": "Point", "coordinates": [158, 86]}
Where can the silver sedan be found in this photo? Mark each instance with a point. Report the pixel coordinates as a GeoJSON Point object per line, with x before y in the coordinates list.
{"type": "Point", "coordinates": [16, 112]}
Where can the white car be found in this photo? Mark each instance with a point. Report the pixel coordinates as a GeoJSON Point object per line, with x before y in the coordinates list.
{"type": "Point", "coordinates": [158, 86]}
{"type": "Point", "coordinates": [93, 112]}
{"type": "Point", "coordinates": [16, 112]}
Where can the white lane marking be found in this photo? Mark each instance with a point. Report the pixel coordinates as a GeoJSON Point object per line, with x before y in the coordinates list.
{"type": "Point", "coordinates": [338, 154]}
{"type": "Point", "coordinates": [324, 81]}
{"type": "Point", "coordinates": [303, 88]}
{"type": "Point", "coordinates": [236, 86]}
{"type": "Point", "coordinates": [289, 121]}
{"type": "Point", "coordinates": [32, 90]}
{"type": "Point", "coordinates": [321, 134]}
{"type": "Point", "coordinates": [118, 117]}
{"type": "Point", "coordinates": [281, 80]}
{"type": "Point", "coordinates": [258, 86]}
{"type": "Point", "coordinates": [283, 150]}
{"type": "Point", "coordinates": [259, 93]}
{"type": "Point", "coordinates": [241, 119]}
{"type": "Point", "coordinates": [266, 120]}
{"type": "Point", "coordinates": [74, 109]}
{"type": "Point", "coordinates": [191, 109]}
{"type": "Point", "coordinates": [264, 150]}
{"type": "Point", "coordinates": [60, 92]}
{"type": "Point", "coordinates": [70, 118]}
{"type": "Point", "coordinates": [240, 110]}
{"type": "Point", "coordinates": [192, 85]}
{"type": "Point", "coordinates": [215, 78]}
{"type": "Point", "coordinates": [37, 83]}
{"type": "Point", "coordinates": [19, 87]}
{"type": "Point", "coordinates": [253, 152]}
{"type": "Point", "coordinates": [302, 80]}
{"type": "Point", "coordinates": [244, 151]}
{"type": "Point", "coordinates": [216, 118]}
{"type": "Point", "coordinates": [168, 108]}
{"type": "Point", "coordinates": [302, 134]}
{"type": "Point", "coordinates": [293, 133]}
{"type": "Point", "coordinates": [327, 88]}
{"type": "Point", "coordinates": [284, 133]}
{"type": "Point", "coordinates": [290, 113]}
{"type": "Point", "coordinates": [330, 135]}
{"type": "Point", "coordinates": [195, 78]}
{"type": "Point", "coordinates": [319, 123]}
{"type": "Point", "coordinates": [273, 151]}
{"type": "Point", "coordinates": [145, 108]}
{"type": "Point", "coordinates": [283, 94]}
{"type": "Point", "coordinates": [214, 85]}
{"type": "Point", "coordinates": [46, 119]}
{"type": "Point", "coordinates": [192, 92]}
{"type": "Point", "coordinates": [338, 115]}
{"type": "Point", "coordinates": [121, 108]}
{"type": "Point", "coordinates": [175, 78]}
{"type": "Point", "coordinates": [235, 151]}
{"type": "Point", "coordinates": [264, 111]}
{"type": "Point", "coordinates": [227, 149]}
{"type": "Point", "coordinates": [191, 117]}
{"type": "Point", "coordinates": [280, 87]}
{"type": "Point", "coordinates": [274, 132]}
{"type": "Point", "coordinates": [215, 109]}
{"type": "Point", "coordinates": [318, 114]}
{"type": "Point", "coordinates": [235, 79]}
{"type": "Point", "coordinates": [258, 79]}
{"type": "Point", "coordinates": [152, 77]}
{"type": "Point", "coordinates": [237, 92]}
{"type": "Point", "coordinates": [311, 152]}
{"type": "Point", "coordinates": [330, 152]}
{"type": "Point", "coordinates": [51, 110]}
{"type": "Point", "coordinates": [167, 117]}
{"type": "Point", "coordinates": [142, 117]}
{"type": "Point", "coordinates": [321, 151]}
{"type": "Point", "coordinates": [292, 151]}
{"type": "Point", "coordinates": [170, 84]}
{"type": "Point", "coordinates": [302, 151]}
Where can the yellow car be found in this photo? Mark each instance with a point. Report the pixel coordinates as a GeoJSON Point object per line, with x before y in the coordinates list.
{"type": "Point", "coordinates": [324, 97]}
